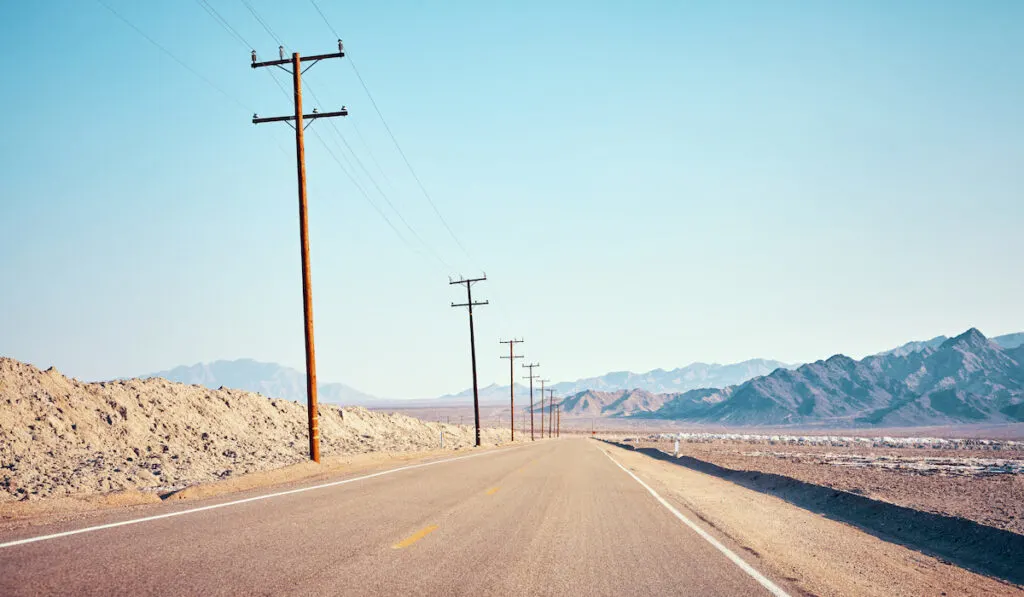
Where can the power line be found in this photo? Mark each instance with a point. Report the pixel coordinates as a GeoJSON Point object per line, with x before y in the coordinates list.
{"type": "Point", "coordinates": [354, 125]}
{"type": "Point", "coordinates": [381, 192]}
{"type": "Point", "coordinates": [172, 56]}
{"type": "Point", "coordinates": [210, 10]}
{"type": "Point", "coordinates": [394, 140]}
{"type": "Point", "coordinates": [359, 187]}
{"type": "Point", "coordinates": [363, 192]}
{"type": "Point", "coordinates": [262, 22]}
{"type": "Point", "coordinates": [352, 179]}
{"type": "Point", "coordinates": [349, 174]}
{"type": "Point", "coordinates": [322, 16]}
{"type": "Point", "coordinates": [373, 158]}
{"type": "Point", "coordinates": [408, 165]}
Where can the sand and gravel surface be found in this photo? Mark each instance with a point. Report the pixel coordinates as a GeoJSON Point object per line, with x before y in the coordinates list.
{"type": "Point", "coordinates": [820, 556]}
{"type": "Point", "coordinates": [975, 482]}
{"type": "Point", "coordinates": [61, 438]}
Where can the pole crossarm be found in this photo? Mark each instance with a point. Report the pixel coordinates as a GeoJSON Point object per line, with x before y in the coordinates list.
{"type": "Point", "coordinates": [257, 120]}
{"type": "Point", "coordinates": [315, 58]}
{"type": "Point", "coordinates": [474, 304]}
{"type": "Point", "coordinates": [466, 280]}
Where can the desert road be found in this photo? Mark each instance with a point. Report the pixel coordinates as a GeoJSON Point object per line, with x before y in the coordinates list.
{"type": "Point", "coordinates": [558, 517]}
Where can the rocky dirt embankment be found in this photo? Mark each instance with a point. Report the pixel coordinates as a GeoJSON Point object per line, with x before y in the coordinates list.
{"type": "Point", "coordinates": [61, 437]}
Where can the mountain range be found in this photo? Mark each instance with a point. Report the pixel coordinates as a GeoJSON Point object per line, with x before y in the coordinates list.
{"type": "Point", "coordinates": [943, 380]}
{"type": "Point", "coordinates": [690, 377]}
{"type": "Point", "coordinates": [269, 379]}
{"type": "Point", "coordinates": [966, 379]}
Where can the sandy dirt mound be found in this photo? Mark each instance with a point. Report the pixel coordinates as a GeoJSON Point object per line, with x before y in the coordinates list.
{"type": "Point", "coordinates": [62, 437]}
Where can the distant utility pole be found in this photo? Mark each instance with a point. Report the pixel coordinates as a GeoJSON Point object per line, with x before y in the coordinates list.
{"type": "Point", "coordinates": [551, 412]}
{"type": "Point", "coordinates": [542, 382]}
{"type": "Point", "coordinates": [531, 377]}
{"type": "Point", "coordinates": [300, 160]}
{"type": "Point", "coordinates": [512, 381]}
{"type": "Point", "coordinates": [472, 342]}
{"type": "Point", "coordinates": [558, 429]}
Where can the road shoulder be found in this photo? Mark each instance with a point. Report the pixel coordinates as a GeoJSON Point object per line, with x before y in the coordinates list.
{"type": "Point", "coordinates": [818, 555]}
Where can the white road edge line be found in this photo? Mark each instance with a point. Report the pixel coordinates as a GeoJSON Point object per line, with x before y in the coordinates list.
{"type": "Point", "coordinates": [242, 501]}
{"type": "Point", "coordinates": [772, 587]}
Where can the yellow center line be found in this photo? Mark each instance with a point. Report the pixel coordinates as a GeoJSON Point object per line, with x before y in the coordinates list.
{"type": "Point", "coordinates": [415, 537]}
{"type": "Point", "coordinates": [492, 490]}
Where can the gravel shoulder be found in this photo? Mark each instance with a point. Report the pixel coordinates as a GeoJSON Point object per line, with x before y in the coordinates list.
{"type": "Point", "coordinates": [819, 555]}
{"type": "Point", "coordinates": [948, 482]}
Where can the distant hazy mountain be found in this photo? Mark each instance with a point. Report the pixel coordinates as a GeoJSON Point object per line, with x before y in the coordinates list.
{"type": "Point", "coordinates": [269, 379]}
{"type": "Point", "coordinates": [965, 379]}
{"type": "Point", "coordinates": [1006, 341]}
{"type": "Point", "coordinates": [916, 346]}
{"type": "Point", "coordinates": [613, 404]}
{"type": "Point", "coordinates": [491, 395]}
{"type": "Point", "coordinates": [1010, 340]}
{"type": "Point", "coordinates": [690, 377]}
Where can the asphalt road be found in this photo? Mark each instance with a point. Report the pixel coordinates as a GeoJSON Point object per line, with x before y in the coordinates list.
{"type": "Point", "coordinates": [550, 518]}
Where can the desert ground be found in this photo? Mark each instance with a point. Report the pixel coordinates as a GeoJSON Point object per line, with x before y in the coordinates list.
{"type": "Point", "coordinates": [981, 480]}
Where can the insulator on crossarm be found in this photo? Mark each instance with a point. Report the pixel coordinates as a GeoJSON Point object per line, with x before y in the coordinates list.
{"type": "Point", "coordinates": [254, 56]}
{"type": "Point", "coordinates": [280, 51]}
{"type": "Point", "coordinates": [341, 46]}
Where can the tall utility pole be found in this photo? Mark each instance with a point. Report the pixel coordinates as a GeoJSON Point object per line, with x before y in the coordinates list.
{"type": "Point", "coordinates": [558, 411]}
{"type": "Point", "coordinates": [531, 377]}
{"type": "Point", "coordinates": [512, 381]}
{"type": "Point", "coordinates": [551, 412]}
{"type": "Point", "coordinates": [300, 161]}
{"type": "Point", "coordinates": [472, 342]}
{"type": "Point", "coordinates": [542, 382]}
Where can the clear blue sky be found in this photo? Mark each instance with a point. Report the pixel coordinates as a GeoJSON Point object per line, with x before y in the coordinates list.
{"type": "Point", "coordinates": [646, 184]}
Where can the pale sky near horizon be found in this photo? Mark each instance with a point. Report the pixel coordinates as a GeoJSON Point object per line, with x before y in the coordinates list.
{"type": "Point", "coordinates": [646, 184]}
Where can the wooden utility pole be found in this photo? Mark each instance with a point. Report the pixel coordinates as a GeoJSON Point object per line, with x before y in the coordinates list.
{"type": "Point", "coordinates": [551, 412]}
{"type": "Point", "coordinates": [558, 430]}
{"type": "Point", "coordinates": [300, 161]}
{"type": "Point", "coordinates": [531, 377]}
{"type": "Point", "coordinates": [472, 342]}
{"type": "Point", "coordinates": [512, 381]}
{"type": "Point", "coordinates": [542, 382]}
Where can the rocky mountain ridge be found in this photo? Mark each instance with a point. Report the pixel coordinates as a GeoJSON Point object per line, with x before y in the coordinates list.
{"type": "Point", "coordinates": [966, 379]}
